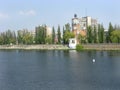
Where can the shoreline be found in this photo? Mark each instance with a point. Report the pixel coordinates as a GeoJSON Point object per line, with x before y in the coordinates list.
{"type": "Point", "coordinates": [34, 47]}
{"type": "Point", "coordinates": [101, 46]}
{"type": "Point", "coordinates": [60, 47]}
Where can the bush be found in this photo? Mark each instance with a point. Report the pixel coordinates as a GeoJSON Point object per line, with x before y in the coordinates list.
{"type": "Point", "coordinates": [79, 47]}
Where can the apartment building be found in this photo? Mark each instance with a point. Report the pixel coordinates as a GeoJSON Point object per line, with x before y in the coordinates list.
{"type": "Point", "coordinates": [79, 25]}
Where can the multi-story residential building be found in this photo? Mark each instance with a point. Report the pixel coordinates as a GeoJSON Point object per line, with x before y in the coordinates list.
{"type": "Point", "coordinates": [87, 21]}
{"type": "Point", "coordinates": [48, 31]}
{"type": "Point", "coordinates": [82, 23]}
{"type": "Point", "coordinates": [76, 27]}
{"type": "Point", "coordinates": [79, 25]}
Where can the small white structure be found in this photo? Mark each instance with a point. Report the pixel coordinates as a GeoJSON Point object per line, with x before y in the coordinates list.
{"type": "Point", "coordinates": [72, 43]}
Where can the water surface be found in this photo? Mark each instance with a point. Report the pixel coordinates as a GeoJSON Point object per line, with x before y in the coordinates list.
{"type": "Point", "coordinates": [59, 70]}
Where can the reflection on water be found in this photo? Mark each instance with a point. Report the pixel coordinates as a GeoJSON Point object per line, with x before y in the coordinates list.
{"type": "Point", "coordinates": [59, 70]}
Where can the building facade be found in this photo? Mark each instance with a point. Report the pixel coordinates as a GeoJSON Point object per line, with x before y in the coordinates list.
{"type": "Point", "coordinates": [48, 31]}
{"type": "Point", "coordinates": [79, 25]}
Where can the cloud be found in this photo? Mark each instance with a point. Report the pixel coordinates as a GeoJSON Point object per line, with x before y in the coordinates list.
{"type": "Point", "coordinates": [28, 13]}
{"type": "Point", "coordinates": [3, 16]}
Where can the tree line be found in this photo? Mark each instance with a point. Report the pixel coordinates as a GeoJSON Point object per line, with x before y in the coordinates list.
{"type": "Point", "coordinates": [95, 34]}
{"type": "Point", "coordinates": [99, 35]}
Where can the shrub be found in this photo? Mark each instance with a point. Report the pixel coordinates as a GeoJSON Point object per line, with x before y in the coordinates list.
{"type": "Point", "coordinates": [79, 47]}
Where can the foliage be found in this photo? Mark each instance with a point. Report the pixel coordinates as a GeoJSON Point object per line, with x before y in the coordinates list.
{"type": "Point", "coordinates": [67, 27]}
{"type": "Point", "coordinates": [100, 33]}
{"type": "Point", "coordinates": [110, 29]}
{"type": "Point", "coordinates": [53, 35]}
{"type": "Point", "coordinates": [95, 35]}
{"type": "Point", "coordinates": [79, 47]}
{"type": "Point", "coordinates": [67, 34]}
{"type": "Point", "coordinates": [8, 37]}
{"type": "Point", "coordinates": [59, 35]}
{"type": "Point", "coordinates": [115, 36]}
{"type": "Point", "coordinates": [63, 35]}
{"type": "Point", "coordinates": [40, 34]}
{"type": "Point", "coordinates": [48, 40]}
{"type": "Point", "coordinates": [82, 39]}
{"type": "Point", "coordinates": [89, 34]}
{"type": "Point", "coordinates": [25, 37]}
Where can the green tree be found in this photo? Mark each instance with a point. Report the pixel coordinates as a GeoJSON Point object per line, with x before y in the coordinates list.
{"type": "Point", "coordinates": [48, 40]}
{"type": "Point", "coordinates": [95, 35]}
{"type": "Point", "coordinates": [8, 37]}
{"type": "Point", "coordinates": [67, 27]}
{"type": "Point", "coordinates": [89, 34]}
{"type": "Point", "coordinates": [115, 36]}
{"type": "Point", "coordinates": [27, 38]}
{"type": "Point", "coordinates": [24, 37]}
{"type": "Point", "coordinates": [53, 35]}
{"type": "Point", "coordinates": [82, 39]}
{"type": "Point", "coordinates": [67, 34]}
{"type": "Point", "coordinates": [110, 29]}
{"type": "Point", "coordinates": [63, 35]}
{"type": "Point", "coordinates": [40, 34]}
{"type": "Point", "coordinates": [100, 33]}
{"type": "Point", "coordinates": [59, 35]}
{"type": "Point", "coordinates": [1, 39]}
{"type": "Point", "coordinates": [20, 36]}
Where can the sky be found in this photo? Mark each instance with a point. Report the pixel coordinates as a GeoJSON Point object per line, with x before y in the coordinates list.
{"type": "Point", "coordinates": [27, 14]}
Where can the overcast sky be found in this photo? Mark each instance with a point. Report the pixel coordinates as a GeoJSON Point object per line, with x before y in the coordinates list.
{"type": "Point", "coordinates": [20, 14]}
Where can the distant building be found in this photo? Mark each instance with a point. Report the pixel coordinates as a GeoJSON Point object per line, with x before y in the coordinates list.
{"type": "Point", "coordinates": [79, 25]}
{"type": "Point", "coordinates": [76, 28]}
{"type": "Point", "coordinates": [87, 21]}
{"type": "Point", "coordinates": [48, 31]}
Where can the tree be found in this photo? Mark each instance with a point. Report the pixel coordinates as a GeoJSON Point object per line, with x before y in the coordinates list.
{"type": "Point", "coordinates": [63, 35]}
{"type": "Point", "coordinates": [67, 34]}
{"type": "Point", "coordinates": [20, 36]}
{"type": "Point", "coordinates": [59, 35]}
{"type": "Point", "coordinates": [110, 29]}
{"type": "Point", "coordinates": [95, 35]}
{"type": "Point", "coordinates": [1, 39]}
{"type": "Point", "coordinates": [24, 37]}
{"type": "Point", "coordinates": [40, 36]}
{"type": "Point", "coordinates": [48, 40]}
{"type": "Point", "coordinates": [100, 33]}
{"type": "Point", "coordinates": [89, 34]}
{"type": "Point", "coordinates": [82, 39]}
{"type": "Point", "coordinates": [67, 27]}
{"type": "Point", "coordinates": [115, 36]}
{"type": "Point", "coordinates": [8, 37]}
{"type": "Point", "coordinates": [53, 35]}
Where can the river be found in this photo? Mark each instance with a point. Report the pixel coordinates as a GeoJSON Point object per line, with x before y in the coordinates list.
{"type": "Point", "coordinates": [59, 70]}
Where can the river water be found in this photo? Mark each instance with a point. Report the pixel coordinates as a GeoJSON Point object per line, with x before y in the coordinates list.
{"type": "Point", "coordinates": [59, 70]}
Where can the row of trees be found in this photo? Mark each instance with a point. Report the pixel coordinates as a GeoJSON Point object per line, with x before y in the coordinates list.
{"type": "Point", "coordinates": [39, 37]}
{"type": "Point", "coordinates": [99, 35]}
{"type": "Point", "coordinates": [94, 35]}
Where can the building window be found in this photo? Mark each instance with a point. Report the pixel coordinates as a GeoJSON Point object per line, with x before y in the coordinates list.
{"type": "Point", "coordinates": [73, 41]}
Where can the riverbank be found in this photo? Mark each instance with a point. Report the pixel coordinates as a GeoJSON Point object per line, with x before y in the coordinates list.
{"type": "Point", "coordinates": [62, 47]}
{"type": "Point", "coordinates": [101, 46]}
{"type": "Point", "coordinates": [39, 47]}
